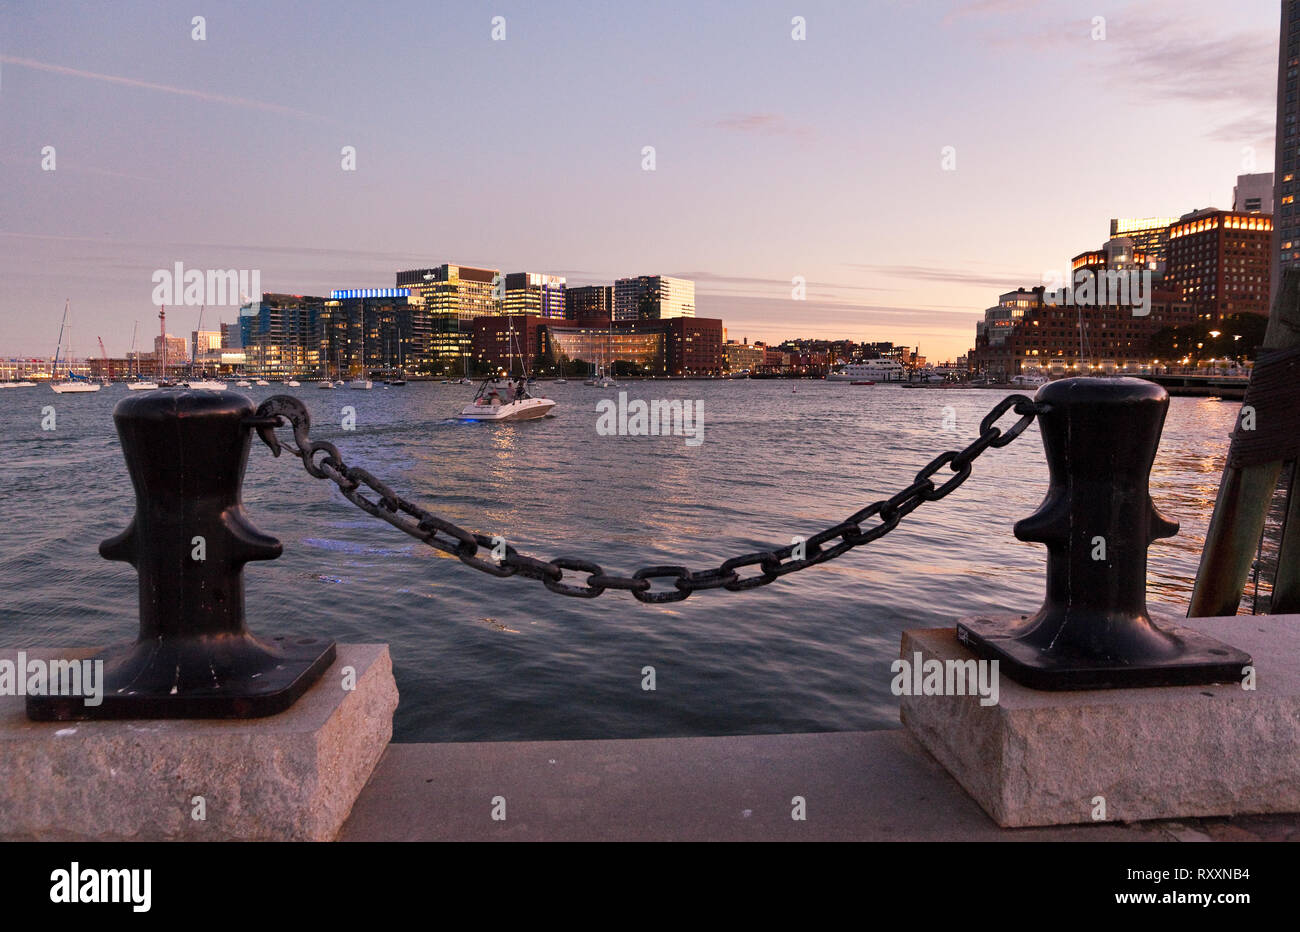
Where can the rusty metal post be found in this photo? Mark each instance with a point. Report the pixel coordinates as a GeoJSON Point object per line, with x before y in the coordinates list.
{"type": "Point", "coordinates": [189, 540]}
{"type": "Point", "coordinates": [1097, 520]}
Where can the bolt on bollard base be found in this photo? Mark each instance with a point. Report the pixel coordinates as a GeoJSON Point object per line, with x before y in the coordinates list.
{"type": "Point", "coordinates": [236, 677]}
{"type": "Point", "coordinates": [1193, 658]}
{"type": "Point", "coordinates": [1097, 520]}
{"type": "Point", "coordinates": [189, 540]}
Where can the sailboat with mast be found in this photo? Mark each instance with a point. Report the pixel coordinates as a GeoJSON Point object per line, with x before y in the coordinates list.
{"type": "Point", "coordinates": [599, 376]}
{"type": "Point", "coordinates": [201, 383]}
{"type": "Point", "coordinates": [326, 383]}
{"type": "Point", "coordinates": [361, 383]}
{"type": "Point", "coordinates": [464, 378]}
{"type": "Point", "coordinates": [395, 377]}
{"type": "Point", "coordinates": [74, 383]}
{"type": "Point", "coordinates": [138, 384]}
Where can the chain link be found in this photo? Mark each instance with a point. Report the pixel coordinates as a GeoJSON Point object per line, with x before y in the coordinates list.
{"type": "Point", "coordinates": [678, 581]}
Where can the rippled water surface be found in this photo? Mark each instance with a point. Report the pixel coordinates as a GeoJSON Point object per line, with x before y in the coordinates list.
{"type": "Point", "coordinates": [479, 658]}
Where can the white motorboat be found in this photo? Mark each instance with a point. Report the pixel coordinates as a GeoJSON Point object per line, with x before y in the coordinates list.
{"type": "Point", "coordinates": [243, 383]}
{"type": "Point", "coordinates": [361, 385]}
{"type": "Point", "coordinates": [23, 384]}
{"type": "Point", "coordinates": [261, 382]}
{"type": "Point", "coordinates": [326, 383]}
{"type": "Point", "coordinates": [141, 385]}
{"type": "Point", "coordinates": [206, 385]}
{"type": "Point", "coordinates": [293, 383]}
{"type": "Point", "coordinates": [561, 381]}
{"type": "Point", "coordinates": [515, 405]}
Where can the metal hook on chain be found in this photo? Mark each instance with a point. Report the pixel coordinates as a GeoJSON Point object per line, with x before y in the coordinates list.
{"type": "Point", "coordinates": [272, 413]}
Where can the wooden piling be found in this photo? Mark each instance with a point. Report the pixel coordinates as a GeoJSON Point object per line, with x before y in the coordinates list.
{"type": "Point", "coordinates": [1245, 495]}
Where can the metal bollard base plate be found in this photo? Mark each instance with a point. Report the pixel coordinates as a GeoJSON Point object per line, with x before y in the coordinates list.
{"type": "Point", "coordinates": [236, 676]}
{"type": "Point", "coordinates": [1199, 660]}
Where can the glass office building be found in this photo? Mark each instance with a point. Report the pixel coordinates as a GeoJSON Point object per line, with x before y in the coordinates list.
{"type": "Point", "coordinates": [370, 330]}
{"type": "Point", "coordinates": [281, 335]}
{"type": "Point", "coordinates": [450, 298]}
{"type": "Point", "coordinates": [653, 297]}
{"type": "Point", "coordinates": [534, 293]}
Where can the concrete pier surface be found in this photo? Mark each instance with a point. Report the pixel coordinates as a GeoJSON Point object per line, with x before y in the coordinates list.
{"type": "Point", "coordinates": [1235, 747]}
{"type": "Point", "coordinates": [287, 777]}
{"type": "Point", "coordinates": [856, 786]}
{"type": "Point", "coordinates": [1040, 757]}
{"type": "Point", "coordinates": [137, 780]}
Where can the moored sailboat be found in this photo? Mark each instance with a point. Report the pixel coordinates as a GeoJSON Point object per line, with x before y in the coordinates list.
{"type": "Point", "coordinates": [74, 383]}
{"type": "Point", "coordinates": [137, 384]}
{"type": "Point", "coordinates": [202, 384]}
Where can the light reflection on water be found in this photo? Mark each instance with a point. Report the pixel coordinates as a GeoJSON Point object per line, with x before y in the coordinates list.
{"type": "Point", "coordinates": [481, 658]}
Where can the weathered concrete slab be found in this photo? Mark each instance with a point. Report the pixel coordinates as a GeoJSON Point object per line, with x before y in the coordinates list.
{"type": "Point", "coordinates": [1045, 758]}
{"type": "Point", "coordinates": [292, 776]}
{"type": "Point", "coordinates": [856, 786]}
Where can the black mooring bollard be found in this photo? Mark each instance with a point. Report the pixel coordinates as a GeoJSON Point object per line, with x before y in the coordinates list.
{"type": "Point", "coordinates": [189, 540]}
{"type": "Point", "coordinates": [1097, 521]}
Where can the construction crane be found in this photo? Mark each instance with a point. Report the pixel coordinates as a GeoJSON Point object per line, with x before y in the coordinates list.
{"type": "Point", "coordinates": [108, 369]}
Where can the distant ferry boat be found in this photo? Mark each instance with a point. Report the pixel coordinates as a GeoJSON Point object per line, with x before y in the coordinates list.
{"type": "Point", "coordinates": [874, 370]}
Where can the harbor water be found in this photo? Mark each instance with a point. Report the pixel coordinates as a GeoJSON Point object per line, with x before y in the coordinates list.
{"type": "Point", "coordinates": [480, 658]}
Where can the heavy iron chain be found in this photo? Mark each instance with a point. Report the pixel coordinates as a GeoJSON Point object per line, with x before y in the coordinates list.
{"type": "Point", "coordinates": [772, 564]}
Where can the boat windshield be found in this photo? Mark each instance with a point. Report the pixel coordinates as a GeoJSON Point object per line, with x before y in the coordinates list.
{"type": "Point", "coordinates": [489, 394]}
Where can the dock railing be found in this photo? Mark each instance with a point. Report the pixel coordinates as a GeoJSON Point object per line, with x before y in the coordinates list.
{"type": "Point", "coordinates": [194, 656]}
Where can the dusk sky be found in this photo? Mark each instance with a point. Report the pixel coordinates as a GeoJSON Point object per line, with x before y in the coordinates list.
{"type": "Point", "coordinates": [774, 158]}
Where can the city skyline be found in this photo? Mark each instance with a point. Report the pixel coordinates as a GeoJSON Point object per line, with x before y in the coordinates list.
{"type": "Point", "coordinates": [774, 157]}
